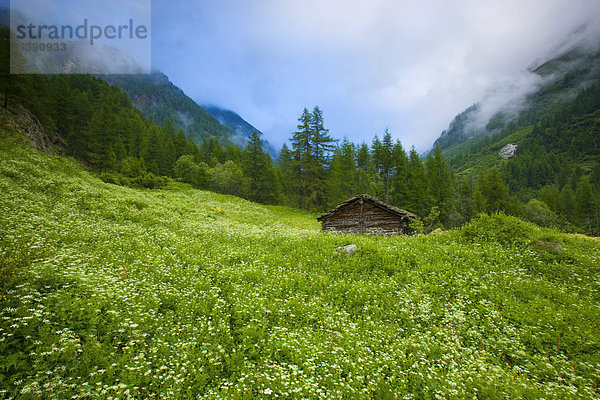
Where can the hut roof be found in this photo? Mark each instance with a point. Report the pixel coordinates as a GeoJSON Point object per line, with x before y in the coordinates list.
{"type": "Point", "coordinates": [371, 199]}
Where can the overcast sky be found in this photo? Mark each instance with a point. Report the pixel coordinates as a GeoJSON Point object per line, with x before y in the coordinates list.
{"type": "Point", "coordinates": [369, 64]}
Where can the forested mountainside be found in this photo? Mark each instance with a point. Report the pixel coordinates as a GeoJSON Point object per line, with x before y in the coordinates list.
{"type": "Point", "coordinates": [160, 101]}
{"type": "Point", "coordinates": [242, 127]}
{"type": "Point", "coordinates": [154, 94]}
{"type": "Point", "coordinates": [98, 124]}
{"type": "Point", "coordinates": [556, 164]}
{"type": "Point", "coordinates": [232, 119]}
{"type": "Point", "coordinates": [557, 82]}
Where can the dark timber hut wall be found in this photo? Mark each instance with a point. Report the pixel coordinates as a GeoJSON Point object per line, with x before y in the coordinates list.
{"type": "Point", "coordinates": [366, 214]}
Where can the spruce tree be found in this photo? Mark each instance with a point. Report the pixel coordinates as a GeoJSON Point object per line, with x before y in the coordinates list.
{"type": "Point", "coordinates": [151, 150]}
{"type": "Point", "coordinates": [566, 202]}
{"type": "Point", "coordinates": [586, 208]}
{"type": "Point", "coordinates": [366, 178]}
{"type": "Point", "coordinates": [439, 181]}
{"type": "Point", "coordinates": [490, 194]}
{"type": "Point", "coordinates": [179, 141]}
{"type": "Point", "coordinates": [342, 180]}
{"type": "Point", "coordinates": [417, 200]}
{"type": "Point", "coordinates": [287, 174]}
{"type": "Point", "coordinates": [399, 182]}
{"type": "Point", "coordinates": [233, 152]}
{"type": "Point", "coordinates": [258, 169]}
{"type": "Point", "coordinates": [12, 63]}
{"type": "Point", "coordinates": [363, 157]}
{"type": "Point", "coordinates": [322, 143]}
{"type": "Point", "coordinates": [167, 153]}
{"type": "Point", "coordinates": [383, 160]}
{"type": "Point", "coordinates": [216, 154]}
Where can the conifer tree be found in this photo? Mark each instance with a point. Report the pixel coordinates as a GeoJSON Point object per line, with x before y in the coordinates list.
{"type": "Point", "coordinates": [463, 203]}
{"type": "Point", "coordinates": [253, 155]}
{"type": "Point", "coordinates": [586, 207]}
{"type": "Point", "coordinates": [566, 202]}
{"type": "Point", "coordinates": [366, 179]}
{"type": "Point", "coordinates": [342, 180]}
{"type": "Point", "coordinates": [439, 181]}
{"type": "Point", "coordinates": [549, 195]}
{"type": "Point", "coordinates": [417, 200]}
{"type": "Point", "coordinates": [119, 149]}
{"type": "Point", "coordinates": [151, 150]}
{"type": "Point", "coordinates": [167, 153]}
{"type": "Point", "coordinates": [233, 153]}
{"type": "Point", "coordinates": [490, 194]}
{"type": "Point", "coordinates": [287, 174]}
{"type": "Point", "coordinates": [303, 161]}
{"type": "Point", "coordinates": [215, 151]}
{"type": "Point", "coordinates": [98, 138]}
{"type": "Point", "coordinates": [322, 143]}
{"type": "Point", "coordinates": [399, 183]}
{"type": "Point", "coordinates": [258, 169]}
{"type": "Point", "coordinates": [595, 178]}
{"type": "Point", "coordinates": [179, 141]}
{"type": "Point", "coordinates": [383, 160]}
{"type": "Point", "coordinates": [363, 157]}
{"type": "Point", "coordinates": [12, 63]}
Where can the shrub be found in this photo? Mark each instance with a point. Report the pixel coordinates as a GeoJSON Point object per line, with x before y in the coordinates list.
{"type": "Point", "coordinates": [112, 178]}
{"type": "Point", "coordinates": [498, 228]}
{"type": "Point", "coordinates": [145, 180]}
{"type": "Point", "coordinates": [132, 167]}
{"type": "Point", "coordinates": [150, 181]}
{"type": "Point", "coordinates": [540, 214]}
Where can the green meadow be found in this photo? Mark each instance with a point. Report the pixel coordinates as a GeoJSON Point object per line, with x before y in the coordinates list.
{"type": "Point", "coordinates": [109, 292]}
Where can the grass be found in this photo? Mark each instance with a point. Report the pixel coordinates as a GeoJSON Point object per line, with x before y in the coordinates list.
{"type": "Point", "coordinates": [111, 292]}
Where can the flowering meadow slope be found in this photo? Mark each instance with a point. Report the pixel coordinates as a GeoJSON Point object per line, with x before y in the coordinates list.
{"type": "Point", "coordinates": [111, 292]}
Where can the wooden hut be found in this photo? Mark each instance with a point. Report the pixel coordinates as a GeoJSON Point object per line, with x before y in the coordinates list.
{"type": "Point", "coordinates": [366, 214]}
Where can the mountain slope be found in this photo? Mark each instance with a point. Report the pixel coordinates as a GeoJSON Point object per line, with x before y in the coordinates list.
{"type": "Point", "coordinates": [557, 151]}
{"type": "Point", "coordinates": [558, 81]}
{"type": "Point", "coordinates": [242, 127]}
{"type": "Point", "coordinates": [559, 119]}
{"type": "Point", "coordinates": [232, 120]}
{"type": "Point", "coordinates": [160, 100]}
{"type": "Point", "coordinates": [554, 176]}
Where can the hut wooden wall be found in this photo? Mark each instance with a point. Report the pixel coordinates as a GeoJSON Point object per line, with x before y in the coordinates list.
{"type": "Point", "coordinates": [374, 220]}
